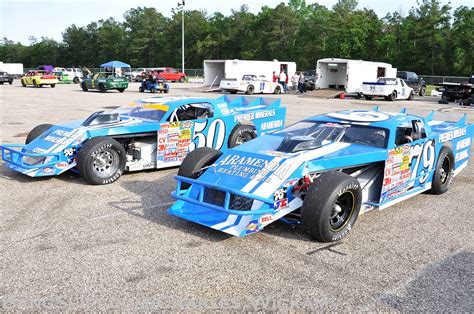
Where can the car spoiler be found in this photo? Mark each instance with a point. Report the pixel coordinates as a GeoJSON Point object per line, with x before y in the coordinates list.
{"type": "Point", "coordinates": [244, 103]}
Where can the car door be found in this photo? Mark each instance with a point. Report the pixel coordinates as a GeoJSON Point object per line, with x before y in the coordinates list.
{"type": "Point", "coordinates": [410, 162]}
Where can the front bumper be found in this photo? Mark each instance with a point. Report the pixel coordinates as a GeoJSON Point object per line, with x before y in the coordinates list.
{"type": "Point", "coordinates": [191, 205]}
{"type": "Point", "coordinates": [34, 164]}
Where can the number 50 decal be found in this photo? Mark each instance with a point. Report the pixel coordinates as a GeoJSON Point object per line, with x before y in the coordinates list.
{"type": "Point", "coordinates": [215, 135]}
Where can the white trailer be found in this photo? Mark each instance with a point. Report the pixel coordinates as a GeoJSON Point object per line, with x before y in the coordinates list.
{"type": "Point", "coordinates": [348, 75]}
{"type": "Point", "coordinates": [12, 68]}
{"type": "Point", "coordinates": [216, 70]}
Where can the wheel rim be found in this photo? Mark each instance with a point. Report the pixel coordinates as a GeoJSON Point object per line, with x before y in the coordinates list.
{"type": "Point", "coordinates": [105, 163]}
{"type": "Point", "coordinates": [444, 171]}
{"type": "Point", "coordinates": [342, 211]}
{"type": "Point", "coordinates": [242, 138]}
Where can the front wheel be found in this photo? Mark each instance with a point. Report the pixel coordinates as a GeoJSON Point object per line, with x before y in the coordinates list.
{"type": "Point", "coordinates": [422, 91]}
{"type": "Point", "coordinates": [277, 90]}
{"type": "Point", "coordinates": [11, 82]}
{"type": "Point", "coordinates": [331, 206]}
{"type": "Point", "coordinates": [153, 90]}
{"type": "Point", "coordinates": [412, 95]}
{"type": "Point", "coordinates": [84, 86]}
{"type": "Point", "coordinates": [23, 83]}
{"type": "Point", "coordinates": [76, 80]}
{"type": "Point", "coordinates": [101, 88]}
{"type": "Point", "coordinates": [53, 85]}
{"type": "Point", "coordinates": [141, 89]}
{"type": "Point", "coordinates": [250, 90]}
{"type": "Point", "coordinates": [444, 171]}
{"type": "Point", "coordinates": [101, 160]}
{"type": "Point", "coordinates": [181, 79]}
{"type": "Point", "coordinates": [121, 90]}
{"type": "Point", "coordinates": [196, 162]}
{"type": "Point", "coordinates": [35, 85]}
{"type": "Point", "coordinates": [240, 134]}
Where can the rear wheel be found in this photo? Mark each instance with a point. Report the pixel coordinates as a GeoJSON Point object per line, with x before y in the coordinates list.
{"type": "Point", "coordinates": [10, 82]}
{"type": "Point", "coordinates": [393, 96]}
{"type": "Point", "coordinates": [35, 85]}
{"type": "Point", "coordinates": [444, 172]}
{"type": "Point", "coordinates": [36, 132]}
{"type": "Point", "coordinates": [192, 166]}
{"type": "Point", "coordinates": [84, 86]}
{"type": "Point", "coordinates": [23, 83]}
{"type": "Point", "coordinates": [240, 134]}
{"type": "Point", "coordinates": [53, 85]}
{"type": "Point", "coordinates": [121, 90]}
{"type": "Point", "coordinates": [422, 91]}
{"type": "Point", "coordinates": [250, 90]}
{"type": "Point", "coordinates": [101, 160]}
{"type": "Point", "coordinates": [76, 80]}
{"type": "Point", "coordinates": [153, 90]}
{"type": "Point", "coordinates": [277, 90]}
{"type": "Point", "coordinates": [181, 79]}
{"type": "Point", "coordinates": [141, 89]}
{"type": "Point", "coordinates": [331, 206]}
{"type": "Point", "coordinates": [412, 95]}
{"type": "Point", "coordinates": [102, 88]}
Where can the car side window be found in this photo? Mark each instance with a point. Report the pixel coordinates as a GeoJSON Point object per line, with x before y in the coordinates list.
{"type": "Point", "coordinates": [192, 112]}
{"type": "Point", "coordinates": [402, 82]}
{"type": "Point", "coordinates": [410, 132]}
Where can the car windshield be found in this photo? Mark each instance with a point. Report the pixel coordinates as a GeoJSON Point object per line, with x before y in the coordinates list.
{"type": "Point", "coordinates": [321, 133]}
{"type": "Point", "coordinates": [387, 81]}
{"type": "Point", "coordinates": [140, 112]}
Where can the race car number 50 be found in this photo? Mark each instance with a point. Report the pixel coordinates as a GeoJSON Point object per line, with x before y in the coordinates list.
{"type": "Point", "coordinates": [214, 138]}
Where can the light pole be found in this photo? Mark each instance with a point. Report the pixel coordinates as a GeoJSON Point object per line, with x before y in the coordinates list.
{"type": "Point", "coordinates": [182, 33]}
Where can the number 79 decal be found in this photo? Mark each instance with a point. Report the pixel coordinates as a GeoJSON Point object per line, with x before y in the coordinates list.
{"type": "Point", "coordinates": [425, 156]}
{"type": "Point", "coordinates": [214, 138]}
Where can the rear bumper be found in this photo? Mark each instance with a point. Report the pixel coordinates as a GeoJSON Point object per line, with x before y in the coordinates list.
{"type": "Point", "coordinates": [45, 164]}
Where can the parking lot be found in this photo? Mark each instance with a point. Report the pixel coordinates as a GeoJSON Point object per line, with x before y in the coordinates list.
{"type": "Point", "coordinates": [69, 245]}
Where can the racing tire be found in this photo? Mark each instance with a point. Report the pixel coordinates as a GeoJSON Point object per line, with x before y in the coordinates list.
{"type": "Point", "coordinates": [141, 89]}
{"type": "Point", "coordinates": [422, 91]}
{"type": "Point", "coordinates": [444, 172]}
{"type": "Point", "coordinates": [331, 206]}
{"type": "Point", "coordinates": [152, 90]}
{"type": "Point", "coordinates": [412, 95]}
{"type": "Point", "coordinates": [250, 90]}
{"type": "Point", "coordinates": [10, 82]}
{"type": "Point", "coordinates": [35, 85]}
{"type": "Point", "coordinates": [101, 160]}
{"type": "Point", "coordinates": [181, 79]}
{"type": "Point", "coordinates": [36, 132]}
{"type": "Point", "coordinates": [84, 86]}
{"type": "Point", "coordinates": [23, 83]}
{"type": "Point", "coordinates": [121, 90]}
{"type": "Point", "coordinates": [240, 134]}
{"type": "Point", "coordinates": [368, 97]}
{"type": "Point", "coordinates": [277, 90]}
{"type": "Point", "coordinates": [76, 80]}
{"type": "Point", "coordinates": [53, 85]}
{"type": "Point", "coordinates": [393, 96]}
{"type": "Point", "coordinates": [101, 88]}
{"type": "Point", "coordinates": [192, 166]}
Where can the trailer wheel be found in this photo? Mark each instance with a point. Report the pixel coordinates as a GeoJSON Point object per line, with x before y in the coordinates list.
{"type": "Point", "coordinates": [393, 96]}
{"type": "Point", "coordinates": [240, 134]}
{"type": "Point", "coordinates": [36, 132]}
{"type": "Point", "coordinates": [331, 206]}
{"type": "Point", "coordinates": [101, 160]}
{"type": "Point", "coordinates": [368, 97]}
{"type": "Point", "coordinates": [422, 91]}
{"type": "Point", "coordinates": [192, 166]}
{"type": "Point", "coordinates": [84, 86]}
{"type": "Point", "coordinates": [250, 90]}
{"type": "Point", "coordinates": [444, 171]}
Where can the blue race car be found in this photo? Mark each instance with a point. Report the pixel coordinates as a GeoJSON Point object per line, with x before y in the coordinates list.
{"type": "Point", "coordinates": [321, 172]}
{"type": "Point", "coordinates": [151, 133]}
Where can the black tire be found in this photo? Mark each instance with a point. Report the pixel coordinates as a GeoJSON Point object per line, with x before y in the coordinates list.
{"type": "Point", "coordinates": [1, 83]}
{"type": "Point", "coordinates": [101, 88]}
{"type": "Point", "coordinates": [250, 90]}
{"type": "Point", "coordinates": [76, 80]}
{"type": "Point", "coordinates": [319, 216]}
{"type": "Point", "coordinates": [141, 89]}
{"type": "Point", "coordinates": [181, 79]}
{"type": "Point", "coordinates": [368, 97]}
{"type": "Point", "coordinates": [443, 102]}
{"type": "Point", "coordinates": [23, 83]}
{"type": "Point", "coordinates": [166, 91]}
{"type": "Point", "coordinates": [393, 96]}
{"type": "Point", "coordinates": [412, 95]}
{"type": "Point", "coordinates": [444, 171]}
{"type": "Point", "coordinates": [37, 131]}
{"type": "Point", "coordinates": [101, 160]}
{"type": "Point", "coordinates": [240, 134]}
{"type": "Point", "coordinates": [121, 90]}
{"type": "Point", "coordinates": [153, 90]}
{"type": "Point", "coordinates": [53, 85]}
{"type": "Point", "coordinates": [192, 165]}
{"type": "Point", "coordinates": [233, 92]}
{"type": "Point", "coordinates": [10, 82]}
{"type": "Point", "coordinates": [84, 86]}
{"type": "Point", "coordinates": [277, 90]}
{"type": "Point", "coordinates": [422, 91]}
{"type": "Point", "coordinates": [35, 85]}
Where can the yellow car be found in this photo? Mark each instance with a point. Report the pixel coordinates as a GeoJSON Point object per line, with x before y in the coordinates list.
{"type": "Point", "coordinates": [38, 78]}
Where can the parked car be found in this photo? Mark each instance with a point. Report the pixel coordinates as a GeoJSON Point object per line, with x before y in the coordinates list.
{"type": "Point", "coordinates": [75, 74]}
{"type": "Point", "coordinates": [152, 133]}
{"type": "Point", "coordinates": [6, 78]}
{"type": "Point", "coordinates": [387, 87]}
{"type": "Point", "coordinates": [39, 78]}
{"type": "Point", "coordinates": [104, 81]}
{"type": "Point", "coordinates": [171, 74]}
{"type": "Point", "coordinates": [250, 84]}
{"type": "Point", "coordinates": [139, 74]}
{"type": "Point", "coordinates": [412, 80]}
{"type": "Point", "coordinates": [322, 172]}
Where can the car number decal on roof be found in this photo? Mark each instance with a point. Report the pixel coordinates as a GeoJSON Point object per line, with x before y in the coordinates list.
{"type": "Point", "coordinates": [361, 116]}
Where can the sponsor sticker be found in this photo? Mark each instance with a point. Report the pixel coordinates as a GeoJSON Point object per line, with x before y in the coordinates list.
{"type": "Point", "coordinates": [252, 227]}
{"type": "Point", "coordinates": [266, 219]}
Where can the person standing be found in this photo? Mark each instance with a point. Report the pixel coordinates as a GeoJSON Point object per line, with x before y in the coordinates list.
{"type": "Point", "coordinates": [294, 81]}
{"type": "Point", "coordinates": [301, 87]}
{"type": "Point", "coordinates": [282, 80]}
{"type": "Point", "coordinates": [275, 77]}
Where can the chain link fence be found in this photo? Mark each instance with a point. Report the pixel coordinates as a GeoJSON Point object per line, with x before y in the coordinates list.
{"type": "Point", "coordinates": [430, 79]}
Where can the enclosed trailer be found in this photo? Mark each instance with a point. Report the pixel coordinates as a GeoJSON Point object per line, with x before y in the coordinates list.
{"type": "Point", "coordinates": [348, 75]}
{"type": "Point", "coordinates": [12, 68]}
{"type": "Point", "coordinates": [216, 70]}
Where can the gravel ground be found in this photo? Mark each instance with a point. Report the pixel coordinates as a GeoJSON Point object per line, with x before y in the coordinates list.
{"type": "Point", "coordinates": [69, 245]}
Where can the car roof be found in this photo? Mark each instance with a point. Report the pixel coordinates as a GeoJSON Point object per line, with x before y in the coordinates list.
{"type": "Point", "coordinates": [158, 102]}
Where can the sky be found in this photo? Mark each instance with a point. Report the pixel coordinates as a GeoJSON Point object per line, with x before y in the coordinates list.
{"type": "Point", "coordinates": [20, 19]}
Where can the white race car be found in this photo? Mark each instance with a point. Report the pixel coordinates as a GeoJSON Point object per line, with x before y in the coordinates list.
{"type": "Point", "coordinates": [390, 88]}
{"type": "Point", "coordinates": [250, 84]}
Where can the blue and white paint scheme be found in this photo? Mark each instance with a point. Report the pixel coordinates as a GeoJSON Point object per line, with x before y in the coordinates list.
{"type": "Point", "coordinates": [392, 155]}
{"type": "Point", "coordinates": [162, 129]}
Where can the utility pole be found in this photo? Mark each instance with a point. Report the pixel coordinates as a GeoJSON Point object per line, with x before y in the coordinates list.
{"type": "Point", "coordinates": [182, 34]}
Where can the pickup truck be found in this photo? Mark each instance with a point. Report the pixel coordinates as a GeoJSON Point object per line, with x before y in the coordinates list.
{"type": "Point", "coordinates": [6, 78]}
{"type": "Point", "coordinates": [171, 74]}
{"type": "Point", "coordinates": [463, 92]}
{"type": "Point", "coordinates": [387, 87]}
{"type": "Point", "coordinates": [412, 80]}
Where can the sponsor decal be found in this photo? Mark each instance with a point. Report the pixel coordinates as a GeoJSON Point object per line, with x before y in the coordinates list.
{"type": "Point", "coordinates": [68, 152]}
{"type": "Point", "coordinates": [63, 133]}
{"type": "Point", "coordinates": [38, 150]}
{"type": "Point", "coordinates": [280, 199]}
{"type": "Point", "coordinates": [62, 165]}
{"type": "Point", "coordinates": [462, 155]}
{"type": "Point", "coordinates": [463, 143]}
{"type": "Point", "coordinates": [255, 115]}
{"type": "Point", "coordinates": [53, 139]}
{"type": "Point", "coordinates": [266, 219]}
{"type": "Point", "coordinates": [48, 170]}
{"type": "Point", "coordinates": [271, 125]}
{"type": "Point", "coordinates": [452, 135]}
{"type": "Point", "coordinates": [252, 227]}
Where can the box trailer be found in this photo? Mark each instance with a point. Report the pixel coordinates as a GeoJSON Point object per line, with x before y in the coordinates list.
{"type": "Point", "coordinates": [348, 75]}
{"type": "Point", "coordinates": [216, 70]}
{"type": "Point", "coordinates": [12, 68]}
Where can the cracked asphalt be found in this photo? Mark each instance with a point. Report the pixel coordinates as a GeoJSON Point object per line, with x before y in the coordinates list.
{"type": "Point", "coordinates": [66, 245]}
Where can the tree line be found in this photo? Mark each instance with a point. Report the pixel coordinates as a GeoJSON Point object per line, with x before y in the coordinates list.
{"type": "Point", "coordinates": [429, 39]}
